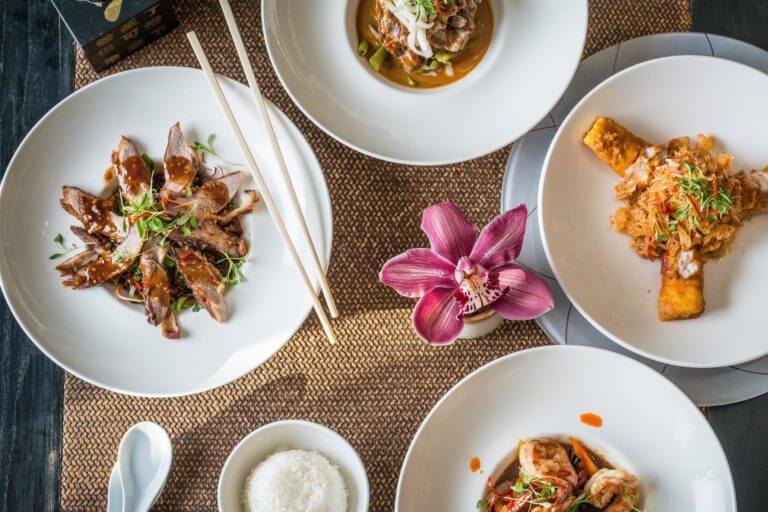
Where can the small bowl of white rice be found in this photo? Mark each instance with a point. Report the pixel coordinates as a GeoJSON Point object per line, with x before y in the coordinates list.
{"type": "Point", "coordinates": [293, 466]}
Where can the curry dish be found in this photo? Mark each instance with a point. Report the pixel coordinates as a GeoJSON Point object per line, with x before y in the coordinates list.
{"type": "Point", "coordinates": [424, 43]}
{"type": "Point", "coordinates": [683, 205]}
{"type": "Point", "coordinates": [547, 475]}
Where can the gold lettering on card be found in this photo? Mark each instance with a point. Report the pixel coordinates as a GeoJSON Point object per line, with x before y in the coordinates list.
{"type": "Point", "coordinates": [112, 59]}
{"type": "Point", "coordinates": [105, 39]}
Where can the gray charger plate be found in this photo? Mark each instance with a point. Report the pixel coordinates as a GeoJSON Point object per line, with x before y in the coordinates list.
{"type": "Point", "coordinates": [564, 324]}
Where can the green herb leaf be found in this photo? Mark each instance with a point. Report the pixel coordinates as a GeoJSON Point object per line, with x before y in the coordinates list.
{"type": "Point", "coordinates": [199, 147]}
{"type": "Point", "coordinates": [147, 160]}
{"type": "Point", "coordinates": [425, 8]}
{"type": "Point", "coordinates": [155, 224]}
{"type": "Point", "coordinates": [186, 230]}
{"type": "Point", "coordinates": [56, 255]}
{"type": "Point", "coordinates": [59, 239]}
{"type": "Point", "coordinates": [233, 276]}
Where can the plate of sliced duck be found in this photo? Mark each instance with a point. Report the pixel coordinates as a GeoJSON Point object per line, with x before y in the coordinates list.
{"type": "Point", "coordinates": [136, 252]}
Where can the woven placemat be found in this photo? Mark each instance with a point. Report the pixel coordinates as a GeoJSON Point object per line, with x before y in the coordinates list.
{"type": "Point", "coordinates": [377, 385]}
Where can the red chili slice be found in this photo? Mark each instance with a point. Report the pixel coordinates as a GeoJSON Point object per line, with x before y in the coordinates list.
{"type": "Point", "coordinates": [693, 203]}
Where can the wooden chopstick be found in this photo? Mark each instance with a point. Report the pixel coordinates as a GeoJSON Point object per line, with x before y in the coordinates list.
{"type": "Point", "coordinates": [261, 106]}
{"type": "Point", "coordinates": [260, 183]}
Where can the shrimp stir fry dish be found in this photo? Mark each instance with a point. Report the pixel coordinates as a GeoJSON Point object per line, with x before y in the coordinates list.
{"type": "Point", "coordinates": [549, 476]}
{"type": "Point", "coordinates": [167, 236]}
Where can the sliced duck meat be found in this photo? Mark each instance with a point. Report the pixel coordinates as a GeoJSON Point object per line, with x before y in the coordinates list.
{"type": "Point", "coordinates": [155, 285]}
{"type": "Point", "coordinates": [209, 236]}
{"type": "Point", "coordinates": [204, 279]}
{"type": "Point", "coordinates": [211, 197]}
{"type": "Point", "coordinates": [95, 213]}
{"type": "Point", "coordinates": [180, 163]}
{"type": "Point", "coordinates": [107, 266]}
{"type": "Point", "coordinates": [454, 26]}
{"type": "Point", "coordinates": [169, 327]}
{"type": "Point", "coordinates": [92, 241]}
{"type": "Point", "coordinates": [251, 198]}
{"type": "Point", "coordinates": [133, 174]}
{"type": "Point", "coordinates": [76, 263]}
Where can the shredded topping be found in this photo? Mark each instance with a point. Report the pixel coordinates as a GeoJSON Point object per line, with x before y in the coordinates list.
{"type": "Point", "coordinates": [417, 19]}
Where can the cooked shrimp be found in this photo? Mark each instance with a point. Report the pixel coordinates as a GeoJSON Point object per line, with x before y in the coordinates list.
{"type": "Point", "coordinates": [548, 459]}
{"type": "Point", "coordinates": [613, 488]}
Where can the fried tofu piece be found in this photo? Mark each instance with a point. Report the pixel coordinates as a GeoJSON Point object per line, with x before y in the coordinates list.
{"type": "Point", "coordinates": [680, 298]}
{"type": "Point", "coordinates": [614, 144]}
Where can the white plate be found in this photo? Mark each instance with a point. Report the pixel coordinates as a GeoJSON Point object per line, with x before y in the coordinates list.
{"type": "Point", "coordinates": [609, 284]}
{"type": "Point", "coordinates": [89, 332]}
{"type": "Point", "coordinates": [649, 428]}
{"type": "Point", "coordinates": [285, 435]}
{"type": "Point", "coordinates": [564, 324]}
{"type": "Point", "coordinates": [536, 47]}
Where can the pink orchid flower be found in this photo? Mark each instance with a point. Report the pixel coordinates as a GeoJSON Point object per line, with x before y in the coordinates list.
{"type": "Point", "coordinates": [465, 273]}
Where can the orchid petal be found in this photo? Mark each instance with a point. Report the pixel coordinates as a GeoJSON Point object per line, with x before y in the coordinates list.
{"type": "Point", "coordinates": [450, 234]}
{"type": "Point", "coordinates": [417, 271]}
{"type": "Point", "coordinates": [501, 240]}
{"type": "Point", "coordinates": [527, 295]}
{"type": "Point", "coordinates": [437, 317]}
{"type": "Point", "coordinates": [477, 287]}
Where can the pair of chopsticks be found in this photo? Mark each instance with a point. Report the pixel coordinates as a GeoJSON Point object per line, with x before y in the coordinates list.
{"type": "Point", "coordinates": [254, 168]}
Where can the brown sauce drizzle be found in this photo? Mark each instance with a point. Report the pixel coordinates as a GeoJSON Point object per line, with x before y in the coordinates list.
{"type": "Point", "coordinates": [180, 170]}
{"type": "Point", "coordinates": [95, 214]}
{"type": "Point", "coordinates": [136, 175]}
{"type": "Point", "coordinates": [101, 270]}
{"type": "Point", "coordinates": [196, 268]}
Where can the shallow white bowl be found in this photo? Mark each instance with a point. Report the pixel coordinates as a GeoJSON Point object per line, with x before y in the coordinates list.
{"type": "Point", "coordinates": [89, 332]}
{"type": "Point", "coordinates": [649, 428]}
{"type": "Point", "coordinates": [291, 434]}
{"type": "Point", "coordinates": [536, 47]}
{"type": "Point", "coordinates": [611, 286]}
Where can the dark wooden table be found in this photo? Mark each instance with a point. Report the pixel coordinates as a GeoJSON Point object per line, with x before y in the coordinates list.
{"type": "Point", "coordinates": [36, 68]}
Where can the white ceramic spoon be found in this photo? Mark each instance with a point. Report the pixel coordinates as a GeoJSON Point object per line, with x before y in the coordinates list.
{"type": "Point", "coordinates": [143, 464]}
{"type": "Point", "coordinates": [115, 491]}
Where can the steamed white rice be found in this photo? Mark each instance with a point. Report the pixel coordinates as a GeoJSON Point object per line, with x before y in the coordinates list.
{"type": "Point", "coordinates": [296, 481]}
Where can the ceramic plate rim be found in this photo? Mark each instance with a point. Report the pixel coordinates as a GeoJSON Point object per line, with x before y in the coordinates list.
{"type": "Point", "coordinates": [577, 348]}
{"type": "Point", "coordinates": [420, 163]}
{"type": "Point", "coordinates": [325, 196]}
{"type": "Point", "coordinates": [544, 238]}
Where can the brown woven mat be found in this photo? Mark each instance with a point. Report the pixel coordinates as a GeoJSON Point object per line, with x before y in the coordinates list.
{"type": "Point", "coordinates": [377, 385]}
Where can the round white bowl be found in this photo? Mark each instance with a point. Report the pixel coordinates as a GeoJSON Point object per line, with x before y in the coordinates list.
{"type": "Point", "coordinates": [610, 285]}
{"type": "Point", "coordinates": [108, 342]}
{"type": "Point", "coordinates": [536, 47]}
{"type": "Point", "coordinates": [291, 434]}
{"type": "Point", "coordinates": [650, 428]}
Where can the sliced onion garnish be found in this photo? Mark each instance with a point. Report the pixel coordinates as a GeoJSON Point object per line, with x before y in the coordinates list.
{"type": "Point", "coordinates": [413, 19]}
{"type": "Point", "coordinates": [119, 291]}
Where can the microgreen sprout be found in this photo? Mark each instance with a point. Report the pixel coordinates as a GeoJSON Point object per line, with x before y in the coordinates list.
{"type": "Point", "coordinates": [59, 241]}
{"type": "Point", "coordinates": [207, 147]}
{"type": "Point", "coordinates": [234, 275]}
